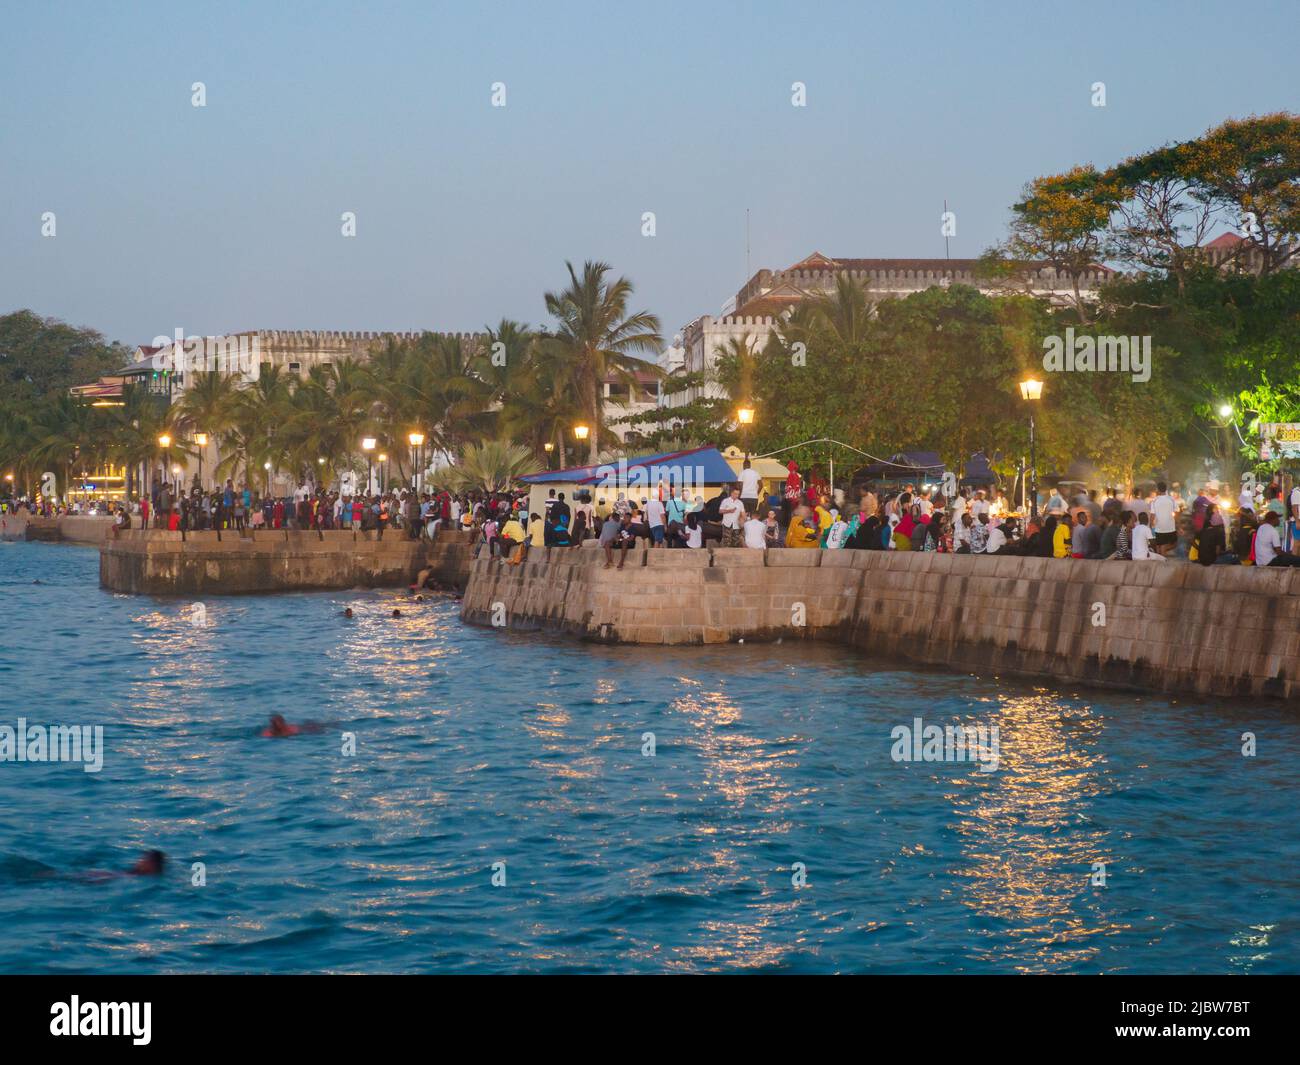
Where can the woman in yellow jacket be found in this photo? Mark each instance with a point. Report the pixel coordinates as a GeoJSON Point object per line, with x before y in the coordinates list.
{"type": "Point", "coordinates": [1061, 536]}
{"type": "Point", "coordinates": [803, 531]}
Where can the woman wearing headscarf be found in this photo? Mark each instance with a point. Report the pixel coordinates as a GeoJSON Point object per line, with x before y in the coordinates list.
{"type": "Point", "coordinates": [803, 531]}
{"type": "Point", "coordinates": [907, 525]}
{"type": "Point", "coordinates": [1209, 539]}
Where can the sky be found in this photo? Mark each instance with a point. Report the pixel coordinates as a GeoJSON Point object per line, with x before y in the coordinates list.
{"type": "Point", "coordinates": [228, 217]}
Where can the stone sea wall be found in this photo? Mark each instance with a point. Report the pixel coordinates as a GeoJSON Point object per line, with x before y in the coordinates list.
{"type": "Point", "coordinates": [1222, 630]}
{"type": "Point", "coordinates": [157, 562]}
{"type": "Point", "coordinates": [70, 528]}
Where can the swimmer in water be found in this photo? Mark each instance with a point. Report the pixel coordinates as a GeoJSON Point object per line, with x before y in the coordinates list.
{"type": "Point", "coordinates": [348, 612]}
{"type": "Point", "coordinates": [396, 613]}
{"type": "Point", "coordinates": [151, 863]}
{"type": "Point", "coordinates": [279, 727]}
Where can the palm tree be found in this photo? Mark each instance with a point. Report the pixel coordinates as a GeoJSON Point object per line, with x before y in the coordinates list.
{"type": "Point", "coordinates": [134, 431]}
{"type": "Point", "coordinates": [208, 405]}
{"type": "Point", "coordinates": [597, 335]}
{"type": "Point", "coordinates": [541, 401]}
{"type": "Point", "coordinates": [734, 369]}
{"type": "Point", "coordinates": [491, 466]}
{"type": "Point", "coordinates": [447, 399]}
{"type": "Point", "coordinates": [847, 310]}
{"type": "Point", "coordinates": [255, 431]}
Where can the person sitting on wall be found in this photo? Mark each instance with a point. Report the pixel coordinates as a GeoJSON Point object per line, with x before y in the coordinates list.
{"type": "Point", "coordinates": [803, 531]}
{"type": "Point", "coordinates": [615, 533]}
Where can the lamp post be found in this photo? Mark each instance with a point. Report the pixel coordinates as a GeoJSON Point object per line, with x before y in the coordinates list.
{"type": "Point", "coordinates": [745, 416]}
{"type": "Point", "coordinates": [165, 442]}
{"type": "Point", "coordinates": [416, 440]}
{"type": "Point", "coordinates": [266, 466]}
{"type": "Point", "coordinates": [1031, 391]}
{"type": "Point", "coordinates": [548, 447]}
{"type": "Point", "coordinates": [383, 473]}
{"type": "Point", "coordinates": [201, 440]}
{"type": "Point", "coordinates": [368, 445]}
{"type": "Point", "coordinates": [581, 432]}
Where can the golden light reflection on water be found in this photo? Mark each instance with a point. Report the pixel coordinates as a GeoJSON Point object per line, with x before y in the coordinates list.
{"type": "Point", "coordinates": [1028, 850]}
{"type": "Point", "coordinates": [738, 765]}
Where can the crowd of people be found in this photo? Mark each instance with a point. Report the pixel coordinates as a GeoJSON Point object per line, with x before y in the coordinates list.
{"type": "Point", "coordinates": [1259, 527]}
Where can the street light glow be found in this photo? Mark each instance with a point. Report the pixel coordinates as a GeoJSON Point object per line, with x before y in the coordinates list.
{"type": "Point", "coordinates": [1031, 389]}
{"type": "Point", "coordinates": [368, 443]}
{"type": "Point", "coordinates": [745, 415]}
{"type": "Point", "coordinates": [415, 439]}
{"type": "Point", "coordinates": [201, 439]}
{"type": "Point", "coordinates": [1225, 411]}
{"type": "Point", "coordinates": [581, 431]}
{"type": "Point", "coordinates": [164, 441]}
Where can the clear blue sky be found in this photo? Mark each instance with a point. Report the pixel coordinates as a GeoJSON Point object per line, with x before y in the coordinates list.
{"type": "Point", "coordinates": [226, 218]}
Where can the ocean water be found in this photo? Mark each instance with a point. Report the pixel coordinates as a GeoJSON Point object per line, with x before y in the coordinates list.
{"type": "Point", "coordinates": [772, 764]}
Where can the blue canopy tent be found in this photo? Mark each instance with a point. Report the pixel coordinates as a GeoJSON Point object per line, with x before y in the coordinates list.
{"type": "Point", "coordinates": [691, 471]}
{"type": "Point", "coordinates": [977, 473]}
{"type": "Point", "coordinates": [906, 467]}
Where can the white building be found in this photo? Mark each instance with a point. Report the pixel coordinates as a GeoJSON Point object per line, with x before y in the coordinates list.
{"type": "Point", "coordinates": [758, 307]}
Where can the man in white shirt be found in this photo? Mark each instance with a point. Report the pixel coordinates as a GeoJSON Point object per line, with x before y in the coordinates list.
{"type": "Point", "coordinates": [996, 541]}
{"type": "Point", "coordinates": [1163, 509]}
{"type": "Point", "coordinates": [1141, 541]}
{"type": "Point", "coordinates": [1268, 544]}
{"type": "Point", "coordinates": [654, 517]}
{"type": "Point", "coordinates": [732, 510]}
{"type": "Point", "coordinates": [979, 507]}
{"type": "Point", "coordinates": [756, 533]}
{"type": "Point", "coordinates": [958, 507]}
{"type": "Point", "coordinates": [750, 486]}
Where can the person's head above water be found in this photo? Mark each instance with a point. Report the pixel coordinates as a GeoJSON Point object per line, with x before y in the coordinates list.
{"type": "Point", "coordinates": [348, 612]}
{"type": "Point", "coordinates": [151, 863]}
{"type": "Point", "coordinates": [278, 726]}
{"type": "Point", "coordinates": [397, 613]}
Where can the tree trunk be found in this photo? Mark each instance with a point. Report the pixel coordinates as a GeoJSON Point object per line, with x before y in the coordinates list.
{"type": "Point", "coordinates": [595, 422]}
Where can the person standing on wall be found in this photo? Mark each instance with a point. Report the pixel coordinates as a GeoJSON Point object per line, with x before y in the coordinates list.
{"type": "Point", "coordinates": [750, 488]}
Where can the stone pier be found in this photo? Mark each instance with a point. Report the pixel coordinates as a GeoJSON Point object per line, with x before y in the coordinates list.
{"type": "Point", "coordinates": [158, 562]}
{"type": "Point", "coordinates": [1163, 626]}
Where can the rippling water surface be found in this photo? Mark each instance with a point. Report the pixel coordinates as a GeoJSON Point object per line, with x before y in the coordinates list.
{"type": "Point", "coordinates": [476, 747]}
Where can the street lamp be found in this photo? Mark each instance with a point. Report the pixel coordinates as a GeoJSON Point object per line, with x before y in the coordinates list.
{"type": "Point", "coordinates": [581, 432]}
{"type": "Point", "coordinates": [368, 445]}
{"type": "Point", "coordinates": [164, 442]}
{"type": "Point", "coordinates": [745, 416]}
{"type": "Point", "coordinates": [1031, 391]}
{"type": "Point", "coordinates": [201, 439]}
{"type": "Point", "coordinates": [548, 447]}
{"type": "Point", "coordinates": [383, 472]}
{"type": "Point", "coordinates": [416, 439]}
